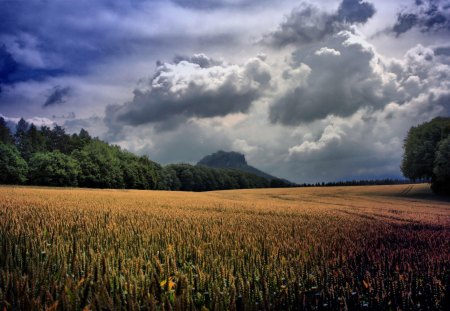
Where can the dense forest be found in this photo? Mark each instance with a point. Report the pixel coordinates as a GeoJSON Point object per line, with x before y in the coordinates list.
{"type": "Point", "coordinates": [51, 157]}
{"type": "Point", "coordinates": [427, 154]}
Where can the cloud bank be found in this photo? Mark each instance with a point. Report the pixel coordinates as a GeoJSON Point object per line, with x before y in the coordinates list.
{"type": "Point", "coordinates": [321, 101]}
{"type": "Point", "coordinates": [196, 87]}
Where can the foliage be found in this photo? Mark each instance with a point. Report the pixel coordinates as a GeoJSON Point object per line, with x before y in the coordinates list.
{"type": "Point", "coordinates": [442, 168]}
{"type": "Point", "coordinates": [13, 169]}
{"type": "Point", "coordinates": [5, 133]}
{"type": "Point", "coordinates": [99, 166]}
{"type": "Point", "coordinates": [203, 178]}
{"type": "Point", "coordinates": [93, 163]}
{"type": "Point", "coordinates": [266, 249]}
{"type": "Point", "coordinates": [53, 169]}
{"type": "Point", "coordinates": [138, 172]}
{"type": "Point", "coordinates": [421, 148]}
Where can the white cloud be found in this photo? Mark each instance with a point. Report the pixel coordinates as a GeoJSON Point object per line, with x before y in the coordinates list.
{"type": "Point", "coordinates": [327, 51]}
{"type": "Point", "coordinates": [184, 89]}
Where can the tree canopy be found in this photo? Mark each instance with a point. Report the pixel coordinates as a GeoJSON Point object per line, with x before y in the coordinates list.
{"type": "Point", "coordinates": [426, 153]}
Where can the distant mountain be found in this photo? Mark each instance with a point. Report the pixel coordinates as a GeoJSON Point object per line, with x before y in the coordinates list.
{"type": "Point", "coordinates": [233, 160]}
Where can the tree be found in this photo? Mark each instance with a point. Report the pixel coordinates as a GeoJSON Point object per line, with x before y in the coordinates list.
{"type": "Point", "coordinates": [13, 168]}
{"type": "Point", "coordinates": [168, 179]}
{"type": "Point", "coordinates": [35, 140]}
{"type": "Point", "coordinates": [138, 172]}
{"type": "Point", "coordinates": [441, 168]}
{"type": "Point", "coordinates": [421, 148]}
{"type": "Point", "coordinates": [21, 138]}
{"type": "Point", "coordinates": [78, 141]}
{"type": "Point", "coordinates": [100, 166]}
{"type": "Point", "coordinates": [59, 140]}
{"type": "Point", "coordinates": [5, 133]}
{"type": "Point", "coordinates": [53, 169]}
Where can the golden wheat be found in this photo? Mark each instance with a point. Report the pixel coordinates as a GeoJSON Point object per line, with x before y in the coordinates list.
{"type": "Point", "coordinates": [306, 248]}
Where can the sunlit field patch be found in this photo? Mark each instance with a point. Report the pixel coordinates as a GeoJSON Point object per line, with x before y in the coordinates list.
{"type": "Point", "coordinates": [374, 247]}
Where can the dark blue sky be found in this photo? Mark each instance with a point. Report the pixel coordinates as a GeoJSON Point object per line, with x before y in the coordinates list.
{"type": "Point", "coordinates": [308, 91]}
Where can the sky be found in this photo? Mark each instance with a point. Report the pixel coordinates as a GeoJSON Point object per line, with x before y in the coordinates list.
{"type": "Point", "coordinates": [307, 90]}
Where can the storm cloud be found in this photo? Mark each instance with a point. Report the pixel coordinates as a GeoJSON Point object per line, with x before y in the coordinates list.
{"type": "Point", "coordinates": [307, 23]}
{"type": "Point", "coordinates": [426, 15]}
{"type": "Point", "coordinates": [197, 87]}
{"type": "Point", "coordinates": [338, 78]}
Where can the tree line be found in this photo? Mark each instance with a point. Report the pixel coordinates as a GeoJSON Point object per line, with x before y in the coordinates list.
{"type": "Point", "coordinates": [51, 157]}
{"type": "Point", "coordinates": [363, 182]}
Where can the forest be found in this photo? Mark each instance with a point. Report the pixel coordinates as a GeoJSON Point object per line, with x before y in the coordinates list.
{"type": "Point", "coordinates": [51, 157]}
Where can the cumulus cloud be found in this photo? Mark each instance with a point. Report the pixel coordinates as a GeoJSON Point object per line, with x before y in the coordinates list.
{"type": "Point", "coordinates": [347, 75]}
{"type": "Point", "coordinates": [200, 59]}
{"type": "Point", "coordinates": [243, 146]}
{"type": "Point", "coordinates": [186, 89]}
{"type": "Point", "coordinates": [58, 95]}
{"type": "Point", "coordinates": [343, 76]}
{"type": "Point", "coordinates": [308, 23]}
{"type": "Point", "coordinates": [368, 143]}
{"type": "Point", "coordinates": [426, 15]}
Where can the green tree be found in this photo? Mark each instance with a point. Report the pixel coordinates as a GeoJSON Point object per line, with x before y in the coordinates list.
{"type": "Point", "coordinates": [53, 169]}
{"type": "Point", "coordinates": [420, 147]}
{"type": "Point", "coordinates": [59, 140]}
{"type": "Point", "coordinates": [13, 168]}
{"type": "Point", "coordinates": [35, 140]}
{"type": "Point", "coordinates": [441, 168]}
{"type": "Point", "coordinates": [21, 139]}
{"type": "Point", "coordinates": [78, 141]}
{"type": "Point", "coordinates": [168, 179]}
{"type": "Point", "coordinates": [100, 166]}
{"type": "Point", "coordinates": [5, 133]}
{"type": "Point", "coordinates": [138, 172]}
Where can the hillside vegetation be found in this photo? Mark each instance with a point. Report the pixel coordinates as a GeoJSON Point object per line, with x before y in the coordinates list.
{"type": "Point", "coordinates": [51, 157]}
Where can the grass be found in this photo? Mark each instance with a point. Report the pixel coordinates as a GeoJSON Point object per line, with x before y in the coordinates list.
{"type": "Point", "coordinates": [374, 247]}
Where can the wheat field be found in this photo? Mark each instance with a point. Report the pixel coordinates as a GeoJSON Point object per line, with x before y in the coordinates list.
{"type": "Point", "coordinates": [337, 248]}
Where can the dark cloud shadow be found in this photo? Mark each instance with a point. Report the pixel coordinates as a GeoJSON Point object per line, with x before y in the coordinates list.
{"type": "Point", "coordinates": [58, 95]}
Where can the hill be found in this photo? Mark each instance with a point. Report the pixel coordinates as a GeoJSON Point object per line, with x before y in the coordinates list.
{"type": "Point", "coordinates": [233, 160]}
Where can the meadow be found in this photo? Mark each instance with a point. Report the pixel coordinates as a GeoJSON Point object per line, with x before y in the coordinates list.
{"type": "Point", "coordinates": [337, 248]}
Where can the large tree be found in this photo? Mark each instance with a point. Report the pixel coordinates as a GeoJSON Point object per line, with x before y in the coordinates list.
{"type": "Point", "coordinates": [421, 156]}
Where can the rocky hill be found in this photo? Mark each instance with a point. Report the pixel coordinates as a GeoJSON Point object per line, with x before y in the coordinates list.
{"type": "Point", "coordinates": [232, 160]}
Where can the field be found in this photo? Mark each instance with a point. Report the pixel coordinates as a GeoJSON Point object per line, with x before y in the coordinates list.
{"type": "Point", "coordinates": [371, 247]}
